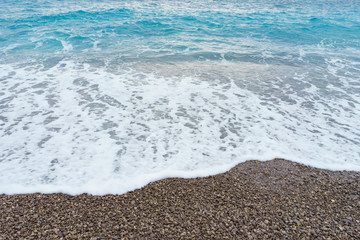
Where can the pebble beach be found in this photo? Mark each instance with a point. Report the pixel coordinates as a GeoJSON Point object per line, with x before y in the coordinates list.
{"type": "Point", "coordinates": [158, 119]}
{"type": "Point", "coordinates": [276, 199]}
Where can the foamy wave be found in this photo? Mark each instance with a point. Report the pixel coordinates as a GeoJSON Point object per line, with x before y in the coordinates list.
{"type": "Point", "coordinates": [77, 128]}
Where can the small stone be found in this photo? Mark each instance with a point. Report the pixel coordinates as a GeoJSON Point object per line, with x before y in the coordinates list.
{"type": "Point", "coordinates": [348, 220]}
{"type": "Point", "coordinates": [354, 197]}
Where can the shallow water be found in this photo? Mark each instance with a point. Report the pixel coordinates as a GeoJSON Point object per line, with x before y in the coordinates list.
{"type": "Point", "coordinates": [105, 96]}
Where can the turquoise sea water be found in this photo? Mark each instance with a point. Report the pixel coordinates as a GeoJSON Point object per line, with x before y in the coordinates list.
{"type": "Point", "coordinates": [105, 96]}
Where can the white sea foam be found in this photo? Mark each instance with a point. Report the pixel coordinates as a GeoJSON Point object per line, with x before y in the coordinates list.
{"type": "Point", "coordinates": [66, 46]}
{"type": "Point", "coordinates": [75, 127]}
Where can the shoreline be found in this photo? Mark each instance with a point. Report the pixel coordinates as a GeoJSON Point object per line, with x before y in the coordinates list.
{"type": "Point", "coordinates": [254, 200]}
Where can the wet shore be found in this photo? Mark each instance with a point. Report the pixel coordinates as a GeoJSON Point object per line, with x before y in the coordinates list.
{"type": "Point", "coordinates": [277, 199]}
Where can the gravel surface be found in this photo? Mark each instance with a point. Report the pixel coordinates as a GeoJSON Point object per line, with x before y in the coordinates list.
{"type": "Point", "coordinates": [277, 199]}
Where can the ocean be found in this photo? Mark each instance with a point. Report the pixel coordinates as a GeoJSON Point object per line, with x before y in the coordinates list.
{"type": "Point", "coordinates": [106, 96]}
